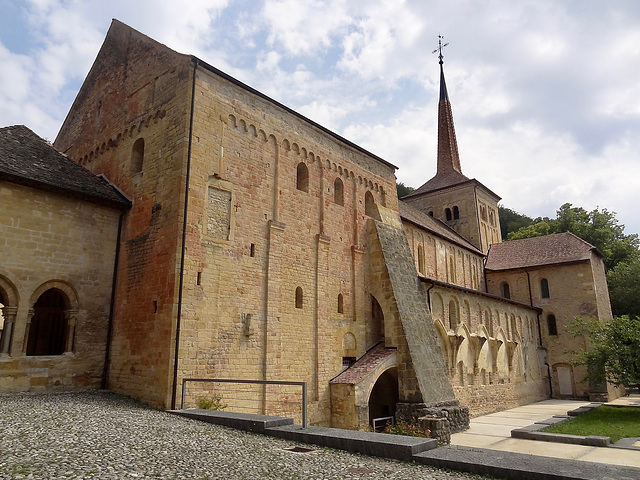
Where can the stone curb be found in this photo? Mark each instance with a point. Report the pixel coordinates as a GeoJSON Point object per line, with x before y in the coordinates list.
{"type": "Point", "coordinates": [507, 465]}
{"type": "Point", "coordinates": [239, 421]}
{"type": "Point", "coordinates": [398, 447]}
{"type": "Point", "coordinates": [519, 466]}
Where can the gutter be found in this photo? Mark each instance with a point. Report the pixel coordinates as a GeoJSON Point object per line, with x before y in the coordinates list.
{"type": "Point", "coordinates": [184, 242]}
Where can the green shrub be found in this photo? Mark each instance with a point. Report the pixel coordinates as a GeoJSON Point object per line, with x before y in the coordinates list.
{"type": "Point", "coordinates": [404, 428]}
{"type": "Point", "coordinates": [211, 403]}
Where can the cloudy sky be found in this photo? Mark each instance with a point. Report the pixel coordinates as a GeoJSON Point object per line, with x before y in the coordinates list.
{"type": "Point", "coordinates": [545, 94]}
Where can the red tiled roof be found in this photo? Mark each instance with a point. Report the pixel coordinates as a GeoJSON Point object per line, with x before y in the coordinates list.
{"type": "Point", "coordinates": [421, 219]}
{"type": "Point", "coordinates": [538, 251]}
{"type": "Point", "coordinates": [29, 160]}
{"type": "Point", "coordinates": [365, 365]}
{"type": "Point", "coordinates": [441, 181]}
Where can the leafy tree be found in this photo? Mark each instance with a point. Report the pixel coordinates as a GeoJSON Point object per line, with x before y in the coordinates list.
{"type": "Point", "coordinates": [534, 230]}
{"type": "Point", "coordinates": [403, 190]}
{"type": "Point", "coordinates": [510, 220]}
{"type": "Point", "coordinates": [602, 230]}
{"type": "Point", "coordinates": [624, 288]}
{"type": "Point", "coordinates": [614, 354]}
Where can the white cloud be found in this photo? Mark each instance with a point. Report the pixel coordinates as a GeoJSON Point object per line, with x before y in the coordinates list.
{"type": "Point", "coordinates": [303, 27]}
{"type": "Point", "coordinates": [544, 93]}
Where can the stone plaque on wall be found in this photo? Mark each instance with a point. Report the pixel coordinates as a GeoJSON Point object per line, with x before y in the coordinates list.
{"type": "Point", "coordinates": [218, 213]}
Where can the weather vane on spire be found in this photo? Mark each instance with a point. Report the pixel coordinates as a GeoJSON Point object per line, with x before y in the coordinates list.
{"type": "Point", "coordinates": [440, 47]}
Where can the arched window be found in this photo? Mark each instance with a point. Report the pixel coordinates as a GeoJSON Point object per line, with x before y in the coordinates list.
{"type": "Point", "coordinates": [453, 315]}
{"type": "Point", "coordinates": [505, 291]}
{"type": "Point", "coordinates": [489, 321]}
{"type": "Point", "coordinates": [302, 177]}
{"type": "Point", "coordinates": [47, 330]}
{"type": "Point", "coordinates": [544, 288]}
{"type": "Point", "coordinates": [299, 298]}
{"type": "Point", "coordinates": [369, 205]}
{"type": "Point", "coordinates": [338, 192]}
{"type": "Point", "coordinates": [456, 213]}
{"type": "Point", "coordinates": [430, 213]}
{"type": "Point", "coordinates": [452, 270]}
{"type": "Point", "coordinates": [340, 303]}
{"type": "Point", "coordinates": [137, 156]}
{"type": "Point", "coordinates": [447, 213]}
{"type": "Point", "coordinates": [551, 325]}
{"type": "Point", "coordinates": [420, 259]}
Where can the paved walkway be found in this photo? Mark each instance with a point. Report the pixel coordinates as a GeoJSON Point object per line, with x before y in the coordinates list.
{"type": "Point", "coordinates": [494, 432]}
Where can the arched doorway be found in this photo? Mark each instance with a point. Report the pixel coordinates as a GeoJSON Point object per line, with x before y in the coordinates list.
{"type": "Point", "coordinates": [376, 330]}
{"type": "Point", "coordinates": [384, 396]}
{"type": "Point", "coordinates": [48, 327]}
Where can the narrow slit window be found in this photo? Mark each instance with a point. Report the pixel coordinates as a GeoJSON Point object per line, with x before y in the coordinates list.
{"type": "Point", "coordinates": [299, 298]}
{"type": "Point", "coordinates": [137, 156]}
{"type": "Point", "coordinates": [338, 192]}
{"type": "Point", "coordinates": [551, 325]}
{"type": "Point", "coordinates": [544, 288]}
{"type": "Point", "coordinates": [302, 177]}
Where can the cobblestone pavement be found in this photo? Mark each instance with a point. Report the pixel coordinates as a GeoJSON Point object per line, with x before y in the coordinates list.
{"type": "Point", "coordinates": [101, 435]}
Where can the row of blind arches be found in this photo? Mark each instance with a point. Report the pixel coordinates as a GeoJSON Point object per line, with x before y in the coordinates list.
{"type": "Point", "coordinates": [302, 184]}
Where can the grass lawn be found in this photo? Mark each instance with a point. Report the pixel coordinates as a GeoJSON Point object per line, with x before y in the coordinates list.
{"type": "Point", "coordinates": [604, 421]}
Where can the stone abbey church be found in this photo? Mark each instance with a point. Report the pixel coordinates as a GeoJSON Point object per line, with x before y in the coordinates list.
{"type": "Point", "coordinates": [184, 225]}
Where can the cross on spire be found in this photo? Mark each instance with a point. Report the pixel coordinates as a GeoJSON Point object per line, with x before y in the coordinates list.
{"type": "Point", "coordinates": [440, 47]}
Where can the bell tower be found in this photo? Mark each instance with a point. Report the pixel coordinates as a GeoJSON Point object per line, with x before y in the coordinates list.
{"type": "Point", "coordinates": [463, 204]}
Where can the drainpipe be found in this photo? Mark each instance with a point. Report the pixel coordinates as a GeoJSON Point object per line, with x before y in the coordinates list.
{"type": "Point", "coordinates": [112, 304]}
{"type": "Point", "coordinates": [184, 240]}
{"type": "Point", "coordinates": [429, 295]}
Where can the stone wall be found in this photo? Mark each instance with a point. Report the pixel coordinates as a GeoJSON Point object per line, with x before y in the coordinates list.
{"type": "Point", "coordinates": [577, 289]}
{"type": "Point", "coordinates": [130, 122]}
{"type": "Point", "coordinates": [491, 348]}
{"type": "Point", "coordinates": [284, 237]}
{"type": "Point", "coordinates": [443, 260]}
{"type": "Point", "coordinates": [50, 241]}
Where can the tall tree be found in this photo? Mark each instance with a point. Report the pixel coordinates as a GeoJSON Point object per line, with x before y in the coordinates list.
{"type": "Point", "coordinates": [614, 352]}
{"type": "Point", "coordinates": [624, 288]}
{"type": "Point", "coordinates": [403, 190]}
{"type": "Point", "coordinates": [510, 220]}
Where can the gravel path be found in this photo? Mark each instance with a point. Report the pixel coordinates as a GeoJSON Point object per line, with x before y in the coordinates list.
{"type": "Point", "coordinates": [101, 435]}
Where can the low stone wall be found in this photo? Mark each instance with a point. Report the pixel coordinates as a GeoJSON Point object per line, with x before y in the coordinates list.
{"type": "Point", "coordinates": [485, 399]}
{"type": "Point", "coordinates": [441, 419]}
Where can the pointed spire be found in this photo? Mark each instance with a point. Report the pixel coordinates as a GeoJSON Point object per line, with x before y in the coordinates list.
{"type": "Point", "coordinates": [448, 158]}
{"type": "Point", "coordinates": [449, 171]}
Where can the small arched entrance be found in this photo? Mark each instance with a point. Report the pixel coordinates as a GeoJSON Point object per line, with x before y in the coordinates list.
{"type": "Point", "coordinates": [384, 396]}
{"type": "Point", "coordinates": [376, 329]}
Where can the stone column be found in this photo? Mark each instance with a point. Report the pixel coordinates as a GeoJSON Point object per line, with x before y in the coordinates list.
{"type": "Point", "coordinates": [26, 330]}
{"type": "Point", "coordinates": [9, 314]}
{"type": "Point", "coordinates": [71, 316]}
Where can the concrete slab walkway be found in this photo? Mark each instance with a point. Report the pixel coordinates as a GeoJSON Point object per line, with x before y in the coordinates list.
{"type": "Point", "coordinates": [493, 432]}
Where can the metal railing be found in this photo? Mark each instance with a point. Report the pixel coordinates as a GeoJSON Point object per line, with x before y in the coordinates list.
{"type": "Point", "coordinates": [254, 382]}
{"type": "Point", "coordinates": [382, 422]}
